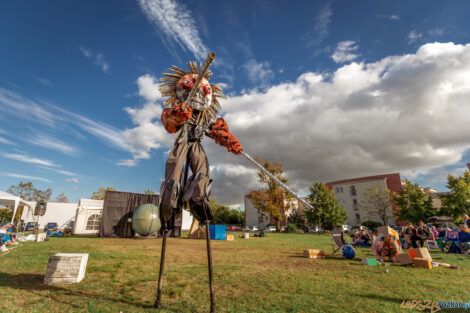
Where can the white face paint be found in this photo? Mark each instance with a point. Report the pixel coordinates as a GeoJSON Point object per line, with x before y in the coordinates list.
{"type": "Point", "coordinates": [203, 97]}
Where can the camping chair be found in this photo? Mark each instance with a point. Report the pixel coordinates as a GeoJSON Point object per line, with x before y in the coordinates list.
{"type": "Point", "coordinates": [338, 239]}
{"type": "Point", "coordinates": [433, 243]}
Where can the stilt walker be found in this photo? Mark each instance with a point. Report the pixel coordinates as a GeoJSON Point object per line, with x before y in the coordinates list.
{"type": "Point", "coordinates": [192, 108]}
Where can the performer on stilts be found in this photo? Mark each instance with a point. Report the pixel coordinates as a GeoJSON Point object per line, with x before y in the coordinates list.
{"type": "Point", "coordinates": [191, 113]}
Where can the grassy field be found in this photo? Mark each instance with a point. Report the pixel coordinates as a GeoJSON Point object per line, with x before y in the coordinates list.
{"type": "Point", "coordinates": [255, 275]}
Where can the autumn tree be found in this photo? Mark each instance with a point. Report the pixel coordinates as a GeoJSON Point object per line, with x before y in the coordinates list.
{"type": "Point", "coordinates": [415, 205]}
{"type": "Point", "coordinates": [99, 195]}
{"type": "Point", "coordinates": [62, 198]}
{"type": "Point", "coordinates": [457, 201]}
{"type": "Point", "coordinates": [149, 192]}
{"type": "Point", "coordinates": [273, 199]}
{"type": "Point", "coordinates": [377, 201]}
{"type": "Point", "coordinates": [327, 212]}
{"type": "Point", "coordinates": [28, 192]}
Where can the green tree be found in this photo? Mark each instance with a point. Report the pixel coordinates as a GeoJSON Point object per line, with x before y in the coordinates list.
{"type": "Point", "coordinates": [149, 192]}
{"type": "Point", "coordinates": [377, 201]}
{"type": "Point", "coordinates": [326, 212]}
{"type": "Point", "coordinates": [457, 201]}
{"type": "Point", "coordinates": [224, 214]}
{"type": "Point", "coordinates": [99, 195]}
{"type": "Point", "coordinates": [415, 205]}
{"type": "Point", "coordinates": [273, 199]}
{"type": "Point", "coordinates": [5, 214]}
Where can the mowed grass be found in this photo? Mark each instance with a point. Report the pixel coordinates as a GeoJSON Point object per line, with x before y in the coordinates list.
{"type": "Point", "coordinates": [255, 275]}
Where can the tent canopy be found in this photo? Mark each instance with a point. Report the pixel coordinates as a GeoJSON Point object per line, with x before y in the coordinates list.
{"type": "Point", "coordinates": [15, 201]}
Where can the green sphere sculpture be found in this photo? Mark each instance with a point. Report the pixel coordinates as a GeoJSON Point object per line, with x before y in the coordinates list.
{"type": "Point", "coordinates": [145, 220]}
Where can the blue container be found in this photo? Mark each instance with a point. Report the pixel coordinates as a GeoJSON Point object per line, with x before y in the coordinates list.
{"type": "Point", "coordinates": [218, 232]}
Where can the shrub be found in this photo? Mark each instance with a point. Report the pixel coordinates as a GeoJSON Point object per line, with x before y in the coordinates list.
{"type": "Point", "coordinates": [371, 224]}
{"type": "Point", "coordinates": [291, 228]}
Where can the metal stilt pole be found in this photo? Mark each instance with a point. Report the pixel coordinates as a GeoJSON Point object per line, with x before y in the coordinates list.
{"type": "Point", "coordinates": [157, 303]}
{"type": "Point", "coordinates": [209, 261]}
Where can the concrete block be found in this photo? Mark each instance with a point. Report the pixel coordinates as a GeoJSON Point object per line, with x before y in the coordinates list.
{"type": "Point", "coordinates": [66, 268]}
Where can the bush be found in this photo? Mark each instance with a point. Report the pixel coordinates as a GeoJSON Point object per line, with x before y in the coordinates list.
{"type": "Point", "coordinates": [371, 224]}
{"type": "Point", "coordinates": [291, 228]}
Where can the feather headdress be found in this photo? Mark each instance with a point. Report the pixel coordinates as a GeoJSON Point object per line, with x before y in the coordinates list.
{"type": "Point", "coordinates": [170, 80]}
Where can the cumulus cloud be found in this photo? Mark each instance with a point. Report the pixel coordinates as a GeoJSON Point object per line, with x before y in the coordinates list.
{"type": "Point", "coordinates": [413, 36]}
{"type": "Point", "coordinates": [148, 132]}
{"type": "Point", "coordinates": [400, 113]}
{"type": "Point", "coordinates": [175, 24]}
{"type": "Point", "coordinates": [98, 58]}
{"type": "Point", "coordinates": [345, 51]}
{"type": "Point", "coordinates": [258, 72]}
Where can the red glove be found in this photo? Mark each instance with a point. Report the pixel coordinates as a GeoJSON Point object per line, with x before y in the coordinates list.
{"type": "Point", "coordinates": [174, 117]}
{"type": "Point", "coordinates": [223, 137]}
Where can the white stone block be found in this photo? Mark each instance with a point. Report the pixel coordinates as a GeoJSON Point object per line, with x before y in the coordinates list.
{"type": "Point", "coordinates": [66, 268]}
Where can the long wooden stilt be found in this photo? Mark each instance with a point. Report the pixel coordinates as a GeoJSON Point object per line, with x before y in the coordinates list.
{"type": "Point", "coordinates": [158, 303]}
{"type": "Point", "coordinates": [209, 262]}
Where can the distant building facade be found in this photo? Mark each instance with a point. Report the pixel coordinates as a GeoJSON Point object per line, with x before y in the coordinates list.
{"type": "Point", "coordinates": [255, 217]}
{"type": "Point", "coordinates": [350, 193]}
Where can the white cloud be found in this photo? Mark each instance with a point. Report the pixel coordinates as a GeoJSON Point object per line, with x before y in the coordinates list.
{"type": "Point", "coordinates": [390, 17]}
{"type": "Point", "coordinates": [52, 143]}
{"type": "Point", "coordinates": [175, 24]}
{"type": "Point", "coordinates": [400, 113]}
{"type": "Point", "coordinates": [345, 51]}
{"type": "Point", "coordinates": [259, 73]}
{"type": "Point", "coordinates": [413, 36]}
{"type": "Point", "coordinates": [321, 24]}
{"type": "Point", "coordinates": [25, 158]}
{"type": "Point", "coordinates": [72, 180]}
{"type": "Point", "coordinates": [25, 177]}
{"type": "Point", "coordinates": [38, 111]}
{"type": "Point", "coordinates": [436, 31]}
{"type": "Point", "coordinates": [98, 58]}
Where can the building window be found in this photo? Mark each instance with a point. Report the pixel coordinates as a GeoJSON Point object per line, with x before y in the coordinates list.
{"type": "Point", "coordinates": [339, 189]}
{"type": "Point", "coordinates": [353, 190]}
{"type": "Point", "coordinates": [355, 201]}
{"type": "Point", "coordinates": [358, 219]}
{"type": "Point", "coordinates": [93, 222]}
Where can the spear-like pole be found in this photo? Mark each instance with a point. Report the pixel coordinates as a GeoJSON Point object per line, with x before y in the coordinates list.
{"type": "Point", "coordinates": [277, 180]}
{"type": "Point", "coordinates": [202, 72]}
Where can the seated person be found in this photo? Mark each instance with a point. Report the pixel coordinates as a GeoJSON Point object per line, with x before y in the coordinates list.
{"type": "Point", "coordinates": [366, 237]}
{"type": "Point", "coordinates": [464, 238]}
{"type": "Point", "coordinates": [441, 238]}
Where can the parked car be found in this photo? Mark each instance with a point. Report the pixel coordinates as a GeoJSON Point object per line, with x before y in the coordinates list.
{"type": "Point", "coordinates": [51, 227]}
{"type": "Point", "coordinates": [316, 229]}
{"type": "Point", "coordinates": [270, 228]}
{"type": "Point", "coordinates": [344, 228]}
{"type": "Point", "coordinates": [254, 228]}
{"type": "Point", "coordinates": [361, 228]}
{"type": "Point", "coordinates": [30, 226]}
{"type": "Point", "coordinates": [234, 228]}
{"type": "Point", "coordinates": [245, 228]}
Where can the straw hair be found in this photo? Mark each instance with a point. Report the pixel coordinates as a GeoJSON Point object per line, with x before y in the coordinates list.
{"type": "Point", "coordinates": [168, 89]}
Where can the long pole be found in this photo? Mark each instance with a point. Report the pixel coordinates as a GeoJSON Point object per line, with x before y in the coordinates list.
{"type": "Point", "coordinates": [210, 58]}
{"type": "Point", "coordinates": [277, 180]}
{"type": "Point", "coordinates": [158, 303]}
{"type": "Point", "coordinates": [209, 262]}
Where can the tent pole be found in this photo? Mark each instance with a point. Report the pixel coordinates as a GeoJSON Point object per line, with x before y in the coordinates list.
{"type": "Point", "coordinates": [209, 263]}
{"type": "Point", "coordinates": [158, 303]}
{"type": "Point", "coordinates": [14, 211]}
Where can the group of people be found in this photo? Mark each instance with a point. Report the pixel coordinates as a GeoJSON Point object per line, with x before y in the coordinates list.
{"type": "Point", "coordinates": [416, 237]}
{"type": "Point", "coordinates": [7, 237]}
{"type": "Point", "coordinates": [361, 238]}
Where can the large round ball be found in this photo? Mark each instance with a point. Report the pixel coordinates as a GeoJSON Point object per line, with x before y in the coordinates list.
{"type": "Point", "coordinates": [145, 220]}
{"type": "Point", "coordinates": [348, 252]}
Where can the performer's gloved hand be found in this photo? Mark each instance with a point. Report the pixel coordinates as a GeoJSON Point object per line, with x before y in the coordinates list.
{"type": "Point", "coordinates": [223, 137]}
{"type": "Point", "coordinates": [174, 117]}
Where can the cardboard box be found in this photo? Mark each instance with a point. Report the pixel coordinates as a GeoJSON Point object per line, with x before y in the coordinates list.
{"type": "Point", "coordinates": [422, 253]}
{"type": "Point", "coordinates": [314, 254]}
{"type": "Point", "coordinates": [424, 263]}
{"type": "Point", "coordinates": [369, 261]}
{"type": "Point", "coordinates": [230, 238]}
{"type": "Point", "coordinates": [405, 259]}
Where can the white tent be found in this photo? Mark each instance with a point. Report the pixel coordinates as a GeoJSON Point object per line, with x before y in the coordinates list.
{"type": "Point", "coordinates": [15, 201]}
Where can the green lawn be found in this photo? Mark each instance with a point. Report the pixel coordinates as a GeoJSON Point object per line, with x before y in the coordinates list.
{"type": "Point", "coordinates": [255, 275]}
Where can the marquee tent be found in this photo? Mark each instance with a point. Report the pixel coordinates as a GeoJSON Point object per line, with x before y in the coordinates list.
{"type": "Point", "coordinates": [15, 201]}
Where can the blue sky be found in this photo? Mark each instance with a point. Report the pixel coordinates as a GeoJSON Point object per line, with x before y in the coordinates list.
{"type": "Point", "coordinates": [70, 69]}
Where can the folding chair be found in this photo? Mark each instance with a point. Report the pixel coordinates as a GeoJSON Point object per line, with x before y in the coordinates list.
{"type": "Point", "coordinates": [338, 239]}
{"type": "Point", "coordinates": [432, 243]}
